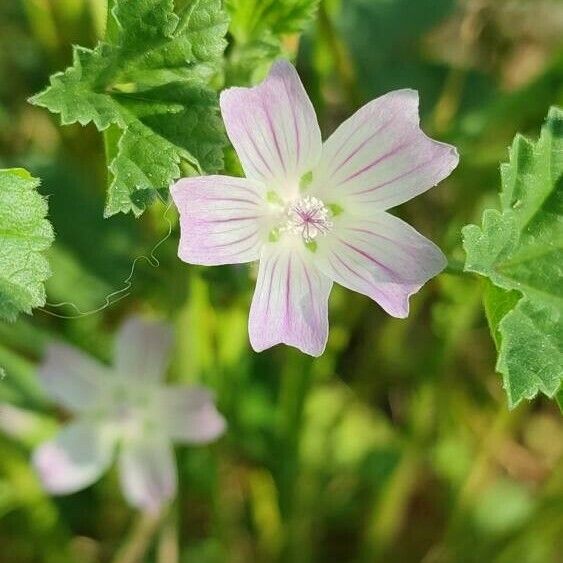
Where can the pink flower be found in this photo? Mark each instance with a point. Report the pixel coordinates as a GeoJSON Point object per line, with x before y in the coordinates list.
{"type": "Point", "coordinates": [125, 408]}
{"type": "Point", "coordinates": [315, 213]}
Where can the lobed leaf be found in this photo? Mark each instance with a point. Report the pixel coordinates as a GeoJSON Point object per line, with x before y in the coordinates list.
{"type": "Point", "coordinates": [520, 250]}
{"type": "Point", "coordinates": [151, 80]}
{"type": "Point", "coordinates": [24, 234]}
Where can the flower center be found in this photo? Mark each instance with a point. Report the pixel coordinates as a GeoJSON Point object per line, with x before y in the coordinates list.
{"type": "Point", "coordinates": [130, 409]}
{"type": "Point", "coordinates": [308, 217]}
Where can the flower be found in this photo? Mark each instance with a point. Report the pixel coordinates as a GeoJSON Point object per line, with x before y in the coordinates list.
{"type": "Point", "coordinates": [125, 408]}
{"type": "Point", "coordinates": [315, 213]}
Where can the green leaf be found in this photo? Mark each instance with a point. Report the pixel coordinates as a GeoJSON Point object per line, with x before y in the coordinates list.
{"type": "Point", "coordinates": [24, 234]}
{"type": "Point", "coordinates": [151, 81]}
{"type": "Point", "coordinates": [258, 28]}
{"type": "Point", "coordinates": [250, 18]}
{"type": "Point", "coordinates": [520, 250]}
{"type": "Point", "coordinates": [498, 302]}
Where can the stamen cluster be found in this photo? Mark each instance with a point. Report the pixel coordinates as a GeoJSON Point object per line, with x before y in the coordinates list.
{"type": "Point", "coordinates": [308, 217]}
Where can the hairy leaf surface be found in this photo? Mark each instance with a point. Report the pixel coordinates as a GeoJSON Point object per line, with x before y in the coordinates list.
{"type": "Point", "coordinates": [24, 234]}
{"type": "Point", "coordinates": [520, 249]}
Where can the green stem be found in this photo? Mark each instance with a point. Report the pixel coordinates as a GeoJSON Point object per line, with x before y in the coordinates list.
{"type": "Point", "coordinates": [389, 510]}
{"type": "Point", "coordinates": [168, 550]}
{"type": "Point", "coordinates": [455, 268]}
{"type": "Point", "coordinates": [448, 104]}
{"type": "Point", "coordinates": [342, 60]}
{"type": "Point", "coordinates": [139, 540]}
{"type": "Point", "coordinates": [295, 385]}
{"type": "Point", "coordinates": [42, 23]}
{"type": "Point", "coordinates": [98, 16]}
{"type": "Point", "coordinates": [476, 478]}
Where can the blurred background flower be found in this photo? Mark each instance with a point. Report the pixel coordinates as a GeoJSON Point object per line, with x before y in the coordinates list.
{"type": "Point", "coordinates": [125, 407]}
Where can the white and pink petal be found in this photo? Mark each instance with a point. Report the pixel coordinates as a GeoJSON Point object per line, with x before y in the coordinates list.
{"type": "Point", "coordinates": [72, 379]}
{"type": "Point", "coordinates": [223, 220]}
{"type": "Point", "coordinates": [147, 472]}
{"type": "Point", "coordinates": [189, 414]}
{"type": "Point", "coordinates": [75, 458]}
{"type": "Point", "coordinates": [142, 349]}
{"type": "Point", "coordinates": [381, 257]}
{"type": "Point", "coordinates": [290, 303]}
{"type": "Point", "coordinates": [274, 129]}
{"type": "Point", "coordinates": [380, 157]}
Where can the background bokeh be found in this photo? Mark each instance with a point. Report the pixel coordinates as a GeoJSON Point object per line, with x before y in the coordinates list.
{"type": "Point", "coordinates": [396, 445]}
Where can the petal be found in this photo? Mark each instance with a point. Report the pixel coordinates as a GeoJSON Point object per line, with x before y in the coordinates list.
{"type": "Point", "coordinates": [381, 157]}
{"type": "Point", "coordinates": [274, 129]}
{"type": "Point", "coordinates": [189, 414]}
{"type": "Point", "coordinates": [223, 220]}
{"type": "Point", "coordinates": [147, 471]}
{"type": "Point", "coordinates": [381, 257]}
{"type": "Point", "coordinates": [290, 303]}
{"type": "Point", "coordinates": [75, 459]}
{"type": "Point", "coordinates": [71, 378]}
{"type": "Point", "coordinates": [142, 349]}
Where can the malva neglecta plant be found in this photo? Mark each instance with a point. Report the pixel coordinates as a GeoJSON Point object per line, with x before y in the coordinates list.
{"type": "Point", "coordinates": [312, 213]}
{"type": "Point", "coordinates": [203, 116]}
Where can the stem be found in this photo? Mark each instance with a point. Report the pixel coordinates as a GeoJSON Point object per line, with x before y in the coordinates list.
{"type": "Point", "coordinates": [389, 511]}
{"type": "Point", "coordinates": [475, 480]}
{"type": "Point", "coordinates": [448, 105]}
{"type": "Point", "coordinates": [342, 60]}
{"type": "Point", "coordinates": [139, 540]}
{"type": "Point", "coordinates": [43, 24]}
{"type": "Point", "coordinates": [455, 268]}
{"type": "Point", "coordinates": [98, 16]}
{"type": "Point", "coordinates": [295, 385]}
{"type": "Point", "coordinates": [168, 551]}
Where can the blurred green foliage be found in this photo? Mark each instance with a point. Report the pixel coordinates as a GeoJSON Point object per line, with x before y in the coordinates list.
{"type": "Point", "coordinates": [396, 444]}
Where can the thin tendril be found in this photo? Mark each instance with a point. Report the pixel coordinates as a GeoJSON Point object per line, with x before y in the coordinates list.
{"type": "Point", "coordinates": [125, 291]}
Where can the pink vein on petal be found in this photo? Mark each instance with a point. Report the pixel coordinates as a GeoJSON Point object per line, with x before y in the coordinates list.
{"type": "Point", "coordinates": [272, 271]}
{"type": "Point", "coordinates": [362, 144]}
{"type": "Point", "coordinates": [399, 177]}
{"type": "Point", "coordinates": [275, 137]}
{"type": "Point", "coordinates": [370, 258]}
{"type": "Point", "coordinates": [258, 152]}
{"type": "Point", "coordinates": [395, 242]}
{"type": "Point", "coordinates": [295, 126]}
{"type": "Point", "coordinates": [287, 290]}
{"type": "Point", "coordinates": [379, 160]}
{"type": "Point", "coordinates": [231, 220]}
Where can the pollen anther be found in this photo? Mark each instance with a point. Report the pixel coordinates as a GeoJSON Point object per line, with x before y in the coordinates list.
{"type": "Point", "coordinates": [308, 217]}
